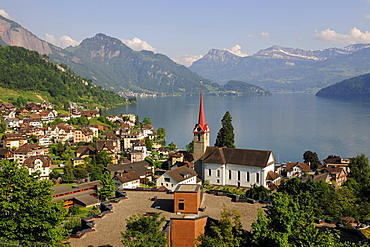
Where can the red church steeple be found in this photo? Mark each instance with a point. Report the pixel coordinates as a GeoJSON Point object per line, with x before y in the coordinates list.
{"type": "Point", "coordinates": [201, 126]}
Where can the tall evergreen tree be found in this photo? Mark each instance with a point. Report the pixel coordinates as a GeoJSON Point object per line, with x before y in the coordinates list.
{"type": "Point", "coordinates": [312, 158]}
{"type": "Point", "coordinates": [225, 136]}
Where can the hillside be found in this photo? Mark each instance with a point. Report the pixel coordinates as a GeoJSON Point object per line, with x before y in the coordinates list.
{"type": "Point", "coordinates": [246, 88]}
{"type": "Point", "coordinates": [25, 70]}
{"type": "Point", "coordinates": [107, 62]}
{"type": "Point", "coordinates": [358, 86]}
{"type": "Point", "coordinates": [280, 69]}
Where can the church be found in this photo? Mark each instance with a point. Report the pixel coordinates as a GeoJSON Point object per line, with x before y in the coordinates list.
{"type": "Point", "coordinates": [230, 166]}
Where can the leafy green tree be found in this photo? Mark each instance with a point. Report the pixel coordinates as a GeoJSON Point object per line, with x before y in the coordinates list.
{"type": "Point", "coordinates": [68, 175]}
{"type": "Point", "coordinates": [190, 147]}
{"type": "Point", "coordinates": [289, 224]}
{"type": "Point", "coordinates": [360, 169]}
{"type": "Point", "coordinates": [147, 121]}
{"type": "Point", "coordinates": [97, 173]}
{"type": "Point", "coordinates": [80, 173]}
{"type": "Point", "coordinates": [312, 158]}
{"type": "Point", "coordinates": [172, 146]}
{"type": "Point", "coordinates": [227, 233]}
{"type": "Point", "coordinates": [144, 231]}
{"type": "Point", "coordinates": [148, 144]}
{"type": "Point", "coordinates": [161, 133]}
{"type": "Point", "coordinates": [258, 193]}
{"type": "Point", "coordinates": [107, 188]}
{"type": "Point", "coordinates": [105, 158]}
{"type": "Point", "coordinates": [2, 126]}
{"type": "Point", "coordinates": [27, 210]}
{"type": "Point", "coordinates": [225, 136]}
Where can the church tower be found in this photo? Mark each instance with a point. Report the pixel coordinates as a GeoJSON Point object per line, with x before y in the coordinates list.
{"type": "Point", "coordinates": [201, 135]}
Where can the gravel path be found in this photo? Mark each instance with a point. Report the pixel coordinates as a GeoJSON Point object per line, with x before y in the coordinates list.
{"type": "Point", "coordinates": [108, 229]}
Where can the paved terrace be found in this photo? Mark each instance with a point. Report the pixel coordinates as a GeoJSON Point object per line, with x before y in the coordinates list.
{"type": "Point", "coordinates": [108, 229]}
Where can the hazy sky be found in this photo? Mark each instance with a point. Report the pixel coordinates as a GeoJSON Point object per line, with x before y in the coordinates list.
{"type": "Point", "coordinates": [186, 30]}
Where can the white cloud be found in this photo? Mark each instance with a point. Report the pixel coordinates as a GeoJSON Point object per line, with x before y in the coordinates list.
{"type": "Point", "coordinates": [354, 36]}
{"type": "Point", "coordinates": [236, 50]}
{"type": "Point", "coordinates": [138, 44]}
{"type": "Point", "coordinates": [187, 60]}
{"type": "Point", "coordinates": [3, 13]}
{"type": "Point", "coordinates": [63, 41]}
{"type": "Point", "coordinates": [264, 35]}
{"type": "Point", "coordinates": [367, 16]}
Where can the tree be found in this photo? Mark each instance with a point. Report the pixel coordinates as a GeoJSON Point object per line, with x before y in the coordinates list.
{"type": "Point", "coordinates": [225, 136]}
{"type": "Point", "coordinates": [104, 158]}
{"type": "Point", "coordinates": [360, 169]}
{"type": "Point", "coordinates": [312, 158]}
{"type": "Point", "coordinates": [190, 147]}
{"type": "Point", "coordinates": [258, 193]}
{"type": "Point", "coordinates": [26, 208]}
{"type": "Point", "coordinates": [228, 232]}
{"type": "Point", "coordinates": [2, 126]}
{"type": "Point", "coordinates": [161, 132]}
{"type": "Point", "coordinates": [147, 121]}
{"type": "Point", "coordinates": [68, 175]}
{"type": "Point", "coordinates": [144, 231]}
{"type": "Point", "coordinates": [289, 224]}
{"type": "Point", "coordinates": [107, 186]}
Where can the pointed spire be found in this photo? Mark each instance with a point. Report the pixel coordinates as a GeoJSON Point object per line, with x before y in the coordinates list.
{"type": "Point", "coordinates": [201, 126]}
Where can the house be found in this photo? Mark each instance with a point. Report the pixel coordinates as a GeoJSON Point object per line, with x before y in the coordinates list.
{"type": "Point", "coordinates": [77, 161]}
{"type": "Point", "coordinates": [83, 135]}
{"type": "Point", "coordinates": [90, 114]}
{"type": "Point", "coordinates": [44, 140]}
{"type": "Point", "coordinates": [6, 107]}
{"type": "Point", "coordinates": [237, 167]}
{"type": "Point", "coordinates": [147, 130]}
{"type": "Point", "coordinates": [136, 155]}
{"type": "Point", "coordinates": [108, 145]}
{"type": "Point", "coordinates": [126, 139]}
{"type": "Point", "coordinates": [14, 140]}
{"type": "Point", "coordinates": [6, 154]}
{"type": "Point", "coordinates": [296, 169]}
{"type": "Point", "coordinates": [64, 117]}
{"type": "Point", "coordinates": [126, 180]}
{"type": "Point", "coordinates": [27, 150]}
{"type": "Point", "coordinates": [47, 116]}
{"type": "Point", "coordinates": [39, 163]}
{"type": "Point", "coordinates": [337, 174]}
{"type": "Point", "coordinates": [144, 169]}
{"type": "Point", "coordinates": [85, 151]}
{"type": "Point", "coordinates": [81, 195]}
{"type": "Point", "coordinates": [182, 175]}
{"type": "Point", "coordinates": [13, 122]}
{"type": "Point", "coordinates": [129, 117]}
{"type": "Point", "coordinates": [336, 161]}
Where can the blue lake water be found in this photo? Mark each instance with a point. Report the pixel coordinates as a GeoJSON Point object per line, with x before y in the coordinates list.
{"type": "Point", "coordinates": [287, 124]}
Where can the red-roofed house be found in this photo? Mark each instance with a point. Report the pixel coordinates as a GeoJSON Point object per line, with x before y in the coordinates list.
{"type": "Point", "coordinates": [296, 169]}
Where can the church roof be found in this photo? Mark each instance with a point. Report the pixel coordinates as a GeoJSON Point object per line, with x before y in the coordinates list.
{"type": "Point", "coordinates": [246, 157]}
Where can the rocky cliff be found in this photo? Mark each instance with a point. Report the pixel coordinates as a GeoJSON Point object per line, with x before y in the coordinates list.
{"type": "Point", "coordinates": [13, 34]}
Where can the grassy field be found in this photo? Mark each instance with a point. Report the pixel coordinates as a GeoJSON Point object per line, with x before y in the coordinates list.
{"type": "Point", "coordinates": [6, 95]}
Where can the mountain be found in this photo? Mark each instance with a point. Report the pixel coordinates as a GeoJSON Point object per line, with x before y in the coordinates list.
{"type": "Point", "coordinates": [280, 69]}
{"type": "Point", "coordinates": [25, 70]}
{"type": "Point", "coordinates": [113, 65]}
{"type": "Point", "coordinates": [358, 86]}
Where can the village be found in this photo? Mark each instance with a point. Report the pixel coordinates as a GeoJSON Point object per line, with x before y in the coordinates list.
{"type": "Point", "coordinates": [188, 188]}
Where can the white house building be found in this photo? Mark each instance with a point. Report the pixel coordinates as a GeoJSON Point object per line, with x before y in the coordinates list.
{"type": "Point", "coordinates": [181, 175]}
{"type": "Point", "coordinates": [237, 167]}
{"type": "Point", "coordinates": [126, 180]}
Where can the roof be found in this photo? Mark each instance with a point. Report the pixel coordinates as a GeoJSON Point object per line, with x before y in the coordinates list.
{"type": "Point", "coordinates": [181, 173]}
{"type": "Point", "coordinates": [26, 148]}
{"type": "Point", "coordinates": [272, 176]}
{"type": "Point", "coordinates": [187, 188]}
{"type": "Point", "coordinates": [102, 144]}
{"type": "Point", "coordinates": [246, 157]}
{"type": "Point", "coordinates": [86, 150]}
{"type": "Point", "coordinates": [4, 151]}
{"type": "Point", "coordinates": [337, 161]}
{"type": "Point", "coordinates": [128, 177]}
{"type": "Point", "coordinates": [305, 166]}
{"type": "Point", "coordinates": [141, 168]}
{"type": "Point", "coordinates": [30, 162]}
{"type": "Point", "coordinates": [88, 185]}
{"type": "Point", "coordinates": [86, 200]}
{"type": "Point", "coordinates": [201, 126]}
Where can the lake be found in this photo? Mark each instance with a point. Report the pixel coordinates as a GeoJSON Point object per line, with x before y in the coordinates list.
{"type": "Point", "coordinates": [287, 124]}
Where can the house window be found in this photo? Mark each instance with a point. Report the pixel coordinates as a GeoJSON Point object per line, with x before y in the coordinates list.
{"type": "Point", "coordinates": [257, 177]}
{"type": "Point", "coordinates": [167, 179]}
{"type": "Point", "coordinates": [209, 172]}
{"type": "Point", "coordinates": [229, 174]}
{"type": "Point", "coordinates": [181, 206]}
{"type": "Point", "coordinates": [238, 175]}
{"type": "Point", "coordinates": [218, 181]}
{"type": "Point", "coordinates": [218, 173]}
{"type": "Point", "coordinates": [181, 200]}
{"type": "Point", "coordinates": [248, 176]}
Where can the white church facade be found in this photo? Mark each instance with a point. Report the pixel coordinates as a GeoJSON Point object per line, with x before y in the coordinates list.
{"type": "Point", "coordinates": [238, 167]}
